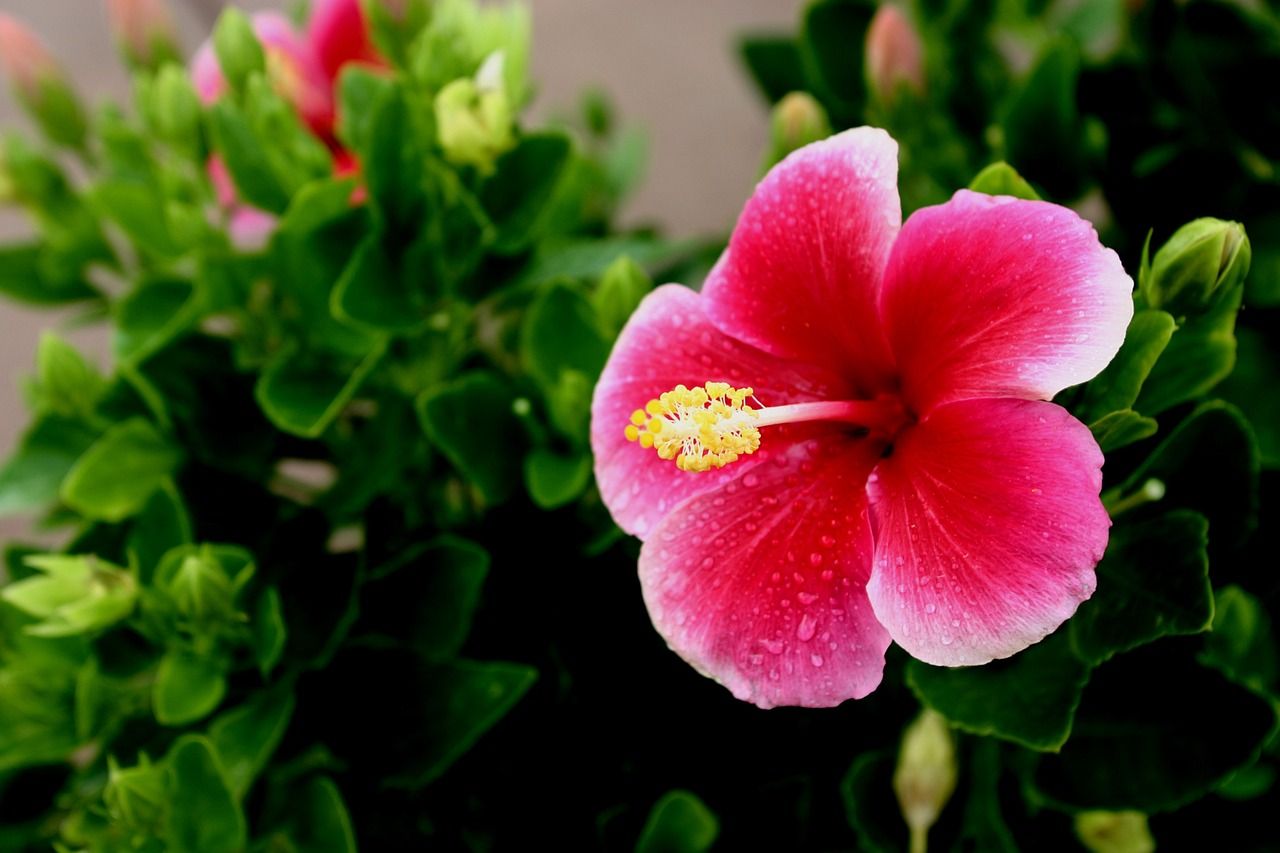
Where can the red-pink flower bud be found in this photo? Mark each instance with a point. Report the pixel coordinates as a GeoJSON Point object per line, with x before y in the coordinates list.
{"type": "Point", "coordinates": [25, 59]}
{"type": "Point", "coordinates": [895, 54]}
{"type": "Point", "coordinates": [144, 30]}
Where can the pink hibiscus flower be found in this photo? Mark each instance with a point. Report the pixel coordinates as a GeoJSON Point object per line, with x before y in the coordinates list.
{"type": "Point", "coordinates": [880, 389]}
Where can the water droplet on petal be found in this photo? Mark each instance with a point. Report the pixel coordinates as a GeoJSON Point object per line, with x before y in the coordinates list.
{"type": "Point", "coordinates": [806, 629]}
{"type": "Point", "coordinates": [930, 608]}
{"type": "Point", "coordinates": [816, 659]}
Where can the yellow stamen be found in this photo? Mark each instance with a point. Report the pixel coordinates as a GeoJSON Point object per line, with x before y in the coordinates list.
{"type": "Point", "coordinates": [701, 428]}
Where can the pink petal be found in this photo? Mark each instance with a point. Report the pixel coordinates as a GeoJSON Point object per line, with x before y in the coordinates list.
{"type": "Point", "coordinates": [801, 275]}
{"type": "Point", "coordinates": [761, 583]}
{"type": "Point", "coordinates": [988, 528]}
{"type": "Point", "coordinates": [339, 34]}
{"type": "Point", "coordinates": [667, 342]}
{"type": "Point", "coordinates": [1000, 297]}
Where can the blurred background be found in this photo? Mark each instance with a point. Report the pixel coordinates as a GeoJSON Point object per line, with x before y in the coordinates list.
{"type": "Point", "coordinates": [668, 65]}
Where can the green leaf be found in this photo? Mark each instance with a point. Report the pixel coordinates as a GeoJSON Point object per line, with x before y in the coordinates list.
{"type": "Point", "coordinates": [187, 688]}
{"type": "Point", "coordinates": [471, 421]}
{"type": "Point", "coordinates": [152, 316]}
{"type": "Point", "coordinates": [323, 825]}
{"type": "Point", "coordinates": [372, 292]}
{"type": "Point", "coordinates": [520, 191]}
{"type": "Point", "coordinates": [140, 211]}
{"type": "Point", "coordinates": [33, 475]}
{"type": "Point", "coordinates": [561, 332]}
{"type": "Point", "coordinates": [555, 479]}
{"type": "Point", "coordinates": [984, 826]}
{"type": "Point", "coordinates": [358, 87]}
{"type": "Point", "coordinates": [589, 259]}
{"type": "Point", "coordinates": [1042, 127]}
{"type": "Point", "coordinates": [618, 295]}
{"type": "Point", "coordinates": [774, 64]}
{"type": "Point", "coordinates": [1029, 699]}
{"type": "Point", "coordinates": [246, 158]}
{"type": "Point", "coordinates": [245, 737]}
{"type": "Point", "coordinates": [1209, 463]}
{"type": "Point", "coordinates": [1201, 353]}
{"type": "Point", "coordinates": [66, 384]}
{"type": "Point", "coordinates": [203, 814]}
{"type": "Point", "coordinates": [679, 823]}
{"type": "Point", "coordinates": [1116, 388]}
{"type": "Point", "coordinates": [1122, 428]}
{"type": "Point", "coordinates": [433, 591]}
{"type": "Point", "coordinates": [1154, 733]}
{"type": "Point", "coordinates": [115, 477]}
{"type": "Point", "coordinates": [1251, 386]}
{"type": "Point", "coordinates": [26, 276]}
{"type": "Point", "coordinates": [269, 632]}
{"type": "Point", "coordinates": [163, 524]}
{"type": "Point", "coordinates": [393, 163]}
{"type": "Point", "coordinates": [303, 395]}
{"type": "Point", "coordinates": [832, 38]}
{"type": "Point", "coordinates": [1152, 582]}
{"type": "Point", "coordinates": [870, 805]}
{"type": "Point", "coordinates": [1242, 644]}
{"type": "Point", "coordinates": [1002, 179]}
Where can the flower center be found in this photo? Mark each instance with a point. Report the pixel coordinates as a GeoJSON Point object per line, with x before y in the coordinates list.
{"type": "Point", "coordinates": [707, 427]}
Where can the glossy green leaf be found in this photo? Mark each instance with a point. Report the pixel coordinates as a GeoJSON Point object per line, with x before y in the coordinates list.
{"type": "Point", "coordinates": [302, 395]}
{"type": "Point", "coordinates": [323, 826]}
{"type": "Point", "coordinates": [1153, 582]}
{"type": "Point", "coordinates": [470, 420]}
{"type": "Point", "coordinates": [187, 688]}
{"type": "Point", "coordinates": [115, 477]}
{"type": "Point", "coordinates": [1201, 353]}
{"type": "Point", "coordinates": [31, 478]}
{"type": "Point", "coordinates": [520, 191]}
{"type": "Point", "coordinates": [269, 631]}
{"type": "Point", "coordinates": [245, 737]}
{"type": "Point", "coordinates": [246, 158]}
{"type": "Point", "coordinates": [679, 823]}
{"type": "Point", "coordinates": [1002, 179]}
{"type": "Point", "coordinates": [833, 34]}
{"type": "Point", "coordinates": [203, 815]}
{"type": "Point", "coordinates": [1042, 127]}
{"type": "Point", "coordinates": [1029, 699]}
{"type": "Point", "coordinates": [562, 332]}
{"type": "Point", "coordinates": [1242, 644]}
{"type": "Point", "coordinates": [1252, 386]}
{"type": "Point", "coordinates": [150, 317]}
{"type": "Point", "coordinates": [1116, 388]}
{"type": "Point", "coordinates": [555, 479]}
{"type": "Point", "coordinates": [1122, 428]}
{"type": "Point", "coordinates": [1152, 733]}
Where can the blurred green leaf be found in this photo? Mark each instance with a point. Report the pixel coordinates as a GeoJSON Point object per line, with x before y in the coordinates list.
{"type": "Point", "coordinates": [303, 395]}
{"type": "Point", "coordinates": [1029, 699]}
{"type": "Point", "coordinates": [471, 421]}
{"type": "Point", "coordinates": [149, 318]}
{"type": "Point", "coordinates": [27, 276]}
{"type": "Point", "coordinates": [115, 477]}
{"type": "Point", "coordinates": [1153, 582]}
{"type": "Point", "coordinates": [203, 814]}
{"type": "Point", "coordinates": [31, 478]}
{"type": "Point", "coordinates": [269, 632]}
{"type": "Point", "coordinates": [562, 332]}
{"type": "Point", "coordinates": [679, 823]}
{"type": "Point", "coordinates": [1252, 386]}
{"type": "Point", "coordinates": [163, 524]}
{"type": "Point", "coordinates": [187, 687]}
{"type": "Point", "coordinates": [618, 294]}
{"type": "Point", "coordinates": [1242, 644]}
{"type": "Point", "coordinates": [1042, 126]}
{"type": "Point", "coordinates": [372, 292]}
{"type": "Point", "coordinates": [1002, 179]}
{"type": "Point", "coordinates": [833, 36]}
{"type": "Point", "coordinates": [1122, 428]}
{"type": "Point", "coordinates": [323, 825]}
{"type": "Point", "coordinates": [774, 64]}
{"type": "Point", "coordinates": [140, 211]}
{"type": "Point", "coordinates": [555, 479]}
{"type": "Point", "coordinates": [66, 384]}
{"type": "Point", "coordinates": [246, 158]}
{"type": "Point", "coordinates": [519, 193]}
{"type": "Point", "coordinates": [870, 805]}
{"type": "Point", "coordinates": [245, 737]}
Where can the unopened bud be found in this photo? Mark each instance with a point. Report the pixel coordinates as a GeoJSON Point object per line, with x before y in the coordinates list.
{"type": "Point", "coordinates": [1202, 260]}
{"type": "Point", "coordinates": [797, 120]}
{"type": "Point", "coordinates": [926, 774]}
{"type": "Point", "coordinates": [145, 32]}
{"type": "Point", "coordinates": [894, 55]}
{"type": "Point", "coordinates": [175, 108]}
{"type": "Point", "coordinates": [135, 797]}
{"type": "Point", "coordinates": [73, 595]}
{"type": "Point", "coordinates": [474, 117]}
{"type": "Point", "coordinates": [40, 84]}
{"type": "Point", "coordinates": [1115, 832]}
{"type": "Point", "coordinates": [237, 48]}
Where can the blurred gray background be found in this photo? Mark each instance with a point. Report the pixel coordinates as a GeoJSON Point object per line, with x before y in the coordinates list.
{"type": "Point", "coordinates": [669, 65]}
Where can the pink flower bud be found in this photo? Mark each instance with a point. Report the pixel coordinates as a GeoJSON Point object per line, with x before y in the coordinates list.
{"type": "Point", "coordinates": [895, 55]}
{"type": "Point", "coordinates": [144, 29]}
{"type": "Point", "coordinates": [25, 59]}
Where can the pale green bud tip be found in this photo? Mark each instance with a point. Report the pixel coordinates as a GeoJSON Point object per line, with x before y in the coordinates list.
{"type": "Point", "coordinates": [1202, 260]}
{"type": "Point", "coordinates": [144, 30]}
{"type": "Point", "coordinates": [237, 47]}
{"type": "Point", "coordinates": [25, 59]}
{"type": "Point", "coordinates": [1115, 832]}
{"type": "Point", "coordinates": [798, 119]}
{"type": "Point", "coordinates": [894, 54]}
{"type": "Point", "coordinates": [926, 774]}
{"type": "Point", "coordinates": [73, 595]}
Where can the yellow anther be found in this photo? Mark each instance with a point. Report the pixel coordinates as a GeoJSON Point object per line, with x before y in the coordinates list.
{"type": "Point", "coordinates": [701, 428]}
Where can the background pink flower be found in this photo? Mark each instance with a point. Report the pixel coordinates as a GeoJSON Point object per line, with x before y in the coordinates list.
{"type": "Point", "coordinates": [934, 498]}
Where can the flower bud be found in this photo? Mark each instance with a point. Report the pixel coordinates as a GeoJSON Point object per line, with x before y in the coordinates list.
{"type": "Point", "coordinates": [1201, 261]}
{"type": "Point", "coordinates": [135, 796]}
{"type": "Point", "coordinates": [474, 117]}
{"type": "Point", "coordinates": [175, 109]}
{"type": "Point", "coordinates": [40, 84]}
{"type": "Point", "coordinates": [894, 55]}
{"type": "Point", "coordinates": [237, 48]}
{"type": "Point", "coordinates": [73, 595]}
{"type": "Point", "coordinates": [797, 120]}
{"type": "Point", "coordinates": [1115, 832]}
{"type": "Point", "coordinates": [145, 32]}
{"type": "Point", "coordinates": [926, 774]}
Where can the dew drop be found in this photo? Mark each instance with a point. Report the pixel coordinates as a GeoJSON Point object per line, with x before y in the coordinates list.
{"type": "Point", "coordinates": [751, 481]}
{"type": "Point", "coordinates": [946, 639]}
{"type": "Point", "coordinates": [774, 647]}
{"type": "Point", "coordinates": [828, 540]}
{"type": "Point", "coordinates": [815, 559]}
{"type": "Point", "coordinates": [806, 629]}
{"type": "Point", "coordinates": [816, 659]}
{"type": "Point", "coordinates": [827, 574]}
{"type": "Point", "coordinates": [930, 608]}
{"type": "Point", "coordinates": [708, 562]}
{"type": "Point", "coordinates": [806, 597]}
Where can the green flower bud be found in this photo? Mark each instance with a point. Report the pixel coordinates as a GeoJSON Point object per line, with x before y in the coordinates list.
{"type": "Point", "coordinates": [145, 32]}
{"type": "Point", "coordinates": [41, 85]}
{"type": "Point", "coordinates": [1203, 260]}
{"type": "Point", "coordinates": [797, 120]}
{"type": "Point", "coordinates": [136, 796]}
{"type": "Point", "coordinates": [474, 118]}
{"type": "Point", "coordinates": [73, 595]}
{"type": "Point", "coordinates": [202, 583]}
{"type": "Point", "coordinates": [621, 288]}
{"type": "Point", "coordinates": [926, 774]}
{"type": "Point", "coordinates": [1115, 832]}
{"type": "Point", "coordinates": [239, 52]}
{"type": "Point", "coordinates": [175, 109]}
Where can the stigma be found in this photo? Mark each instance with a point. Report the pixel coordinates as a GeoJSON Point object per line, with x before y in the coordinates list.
{"type": "Point", "coordinates": [701, 428]}
{"type": "Point", "coordinates": [709, 426]}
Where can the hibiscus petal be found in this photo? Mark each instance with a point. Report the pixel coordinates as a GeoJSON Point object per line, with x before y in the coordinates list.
{"type": "Point", "coordinates": [339, 33]}
{"type": "Point", "coordinates": [802, 272]}
{"type": "Point", "coordinates": [761, 583]}
{"type": "Point", "coordinates": [669, 341]}
{"type": "Point", "coordinates": [988, 528]}
{"type": "Point", "coordinates": [1001, 297]}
